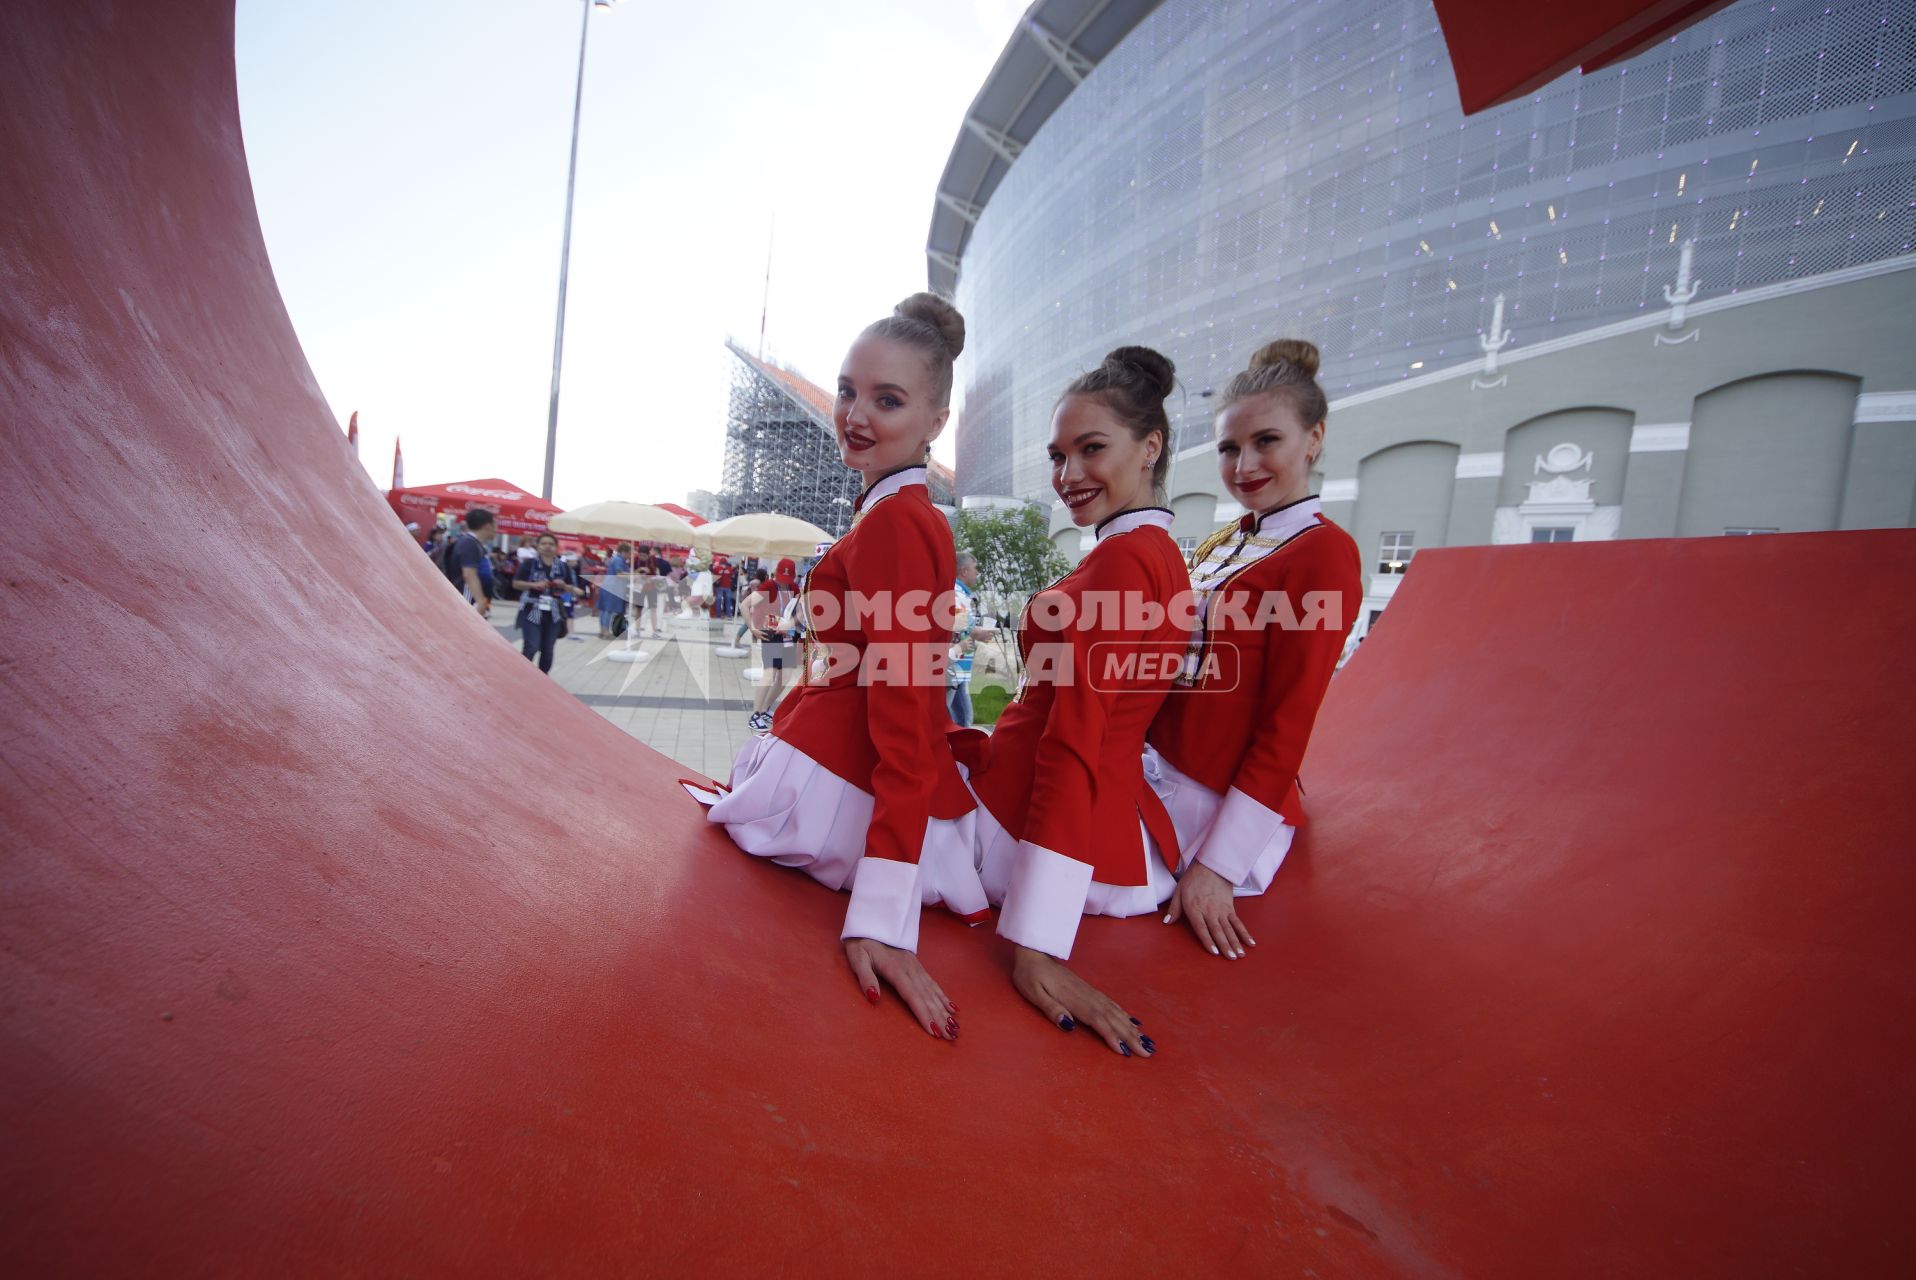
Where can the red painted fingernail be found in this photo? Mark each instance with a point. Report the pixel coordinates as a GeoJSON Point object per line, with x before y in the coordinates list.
{"type": "Point", "coordinates": [871, 994]}
{"type": "Point", "coordinates": [951, 1026]}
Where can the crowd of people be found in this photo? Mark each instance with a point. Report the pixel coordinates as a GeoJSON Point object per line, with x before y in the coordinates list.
{"type": "Point", "coordinates": [1150, 760]}
{"type": "Point", "coordinates": [770, 615]}
{"type": "Point", "coordinates": [636, 586]}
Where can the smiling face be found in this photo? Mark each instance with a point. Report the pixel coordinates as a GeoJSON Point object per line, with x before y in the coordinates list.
{"type": "Point", "coordinates": [1265, 452]}
{"type": "Point", "coordinates": [887, 412]}
{"type": "Point", "coordinates": [1098, 467]}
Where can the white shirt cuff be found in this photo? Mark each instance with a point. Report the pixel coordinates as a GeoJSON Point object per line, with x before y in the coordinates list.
{"type": "Point", "coordinates": [884, 903]}
{"type": "Point", "coordinates": [1044, 900]}
{"type": "Point", "coordinates": [1246, 843]}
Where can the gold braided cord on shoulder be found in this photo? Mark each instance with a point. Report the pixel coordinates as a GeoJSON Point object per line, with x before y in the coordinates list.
{"type": "Point", "coordinates": [1211, 543]}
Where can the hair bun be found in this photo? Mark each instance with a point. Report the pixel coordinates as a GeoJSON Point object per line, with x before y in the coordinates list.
{"type": "Point", "coordinates": [929, 308]}
{"type": "Point", "coordinates": [1153, 366]}
{"type": "Point", "coordinates": [1296, 352]}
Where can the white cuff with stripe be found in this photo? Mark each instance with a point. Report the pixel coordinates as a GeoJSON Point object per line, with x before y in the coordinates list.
{"type": "Point", "coordinates": [885, 903]}
{"type": "Point", "coordinates": [1044, 900]}
{"type": "Point", "coordinates": [1246, 843]}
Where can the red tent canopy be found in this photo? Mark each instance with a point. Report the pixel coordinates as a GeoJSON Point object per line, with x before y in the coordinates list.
{"type": "Point", "coordinates": [1503, 49]}
{"type": "Point", "coordinates": [692, 518]}
{"type": "Point", "coordinates": [519, 511]}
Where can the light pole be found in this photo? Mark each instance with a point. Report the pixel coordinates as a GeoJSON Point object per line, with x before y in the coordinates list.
{"type": "Point", "coordinates": [565, 249]}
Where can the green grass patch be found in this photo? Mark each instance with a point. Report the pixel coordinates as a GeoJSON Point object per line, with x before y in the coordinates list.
{"type": "Point", "coordinates": [988, 703]}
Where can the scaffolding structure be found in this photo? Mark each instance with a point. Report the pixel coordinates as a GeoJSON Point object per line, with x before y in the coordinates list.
{"type": "Point", "coordinates": [781, 451]}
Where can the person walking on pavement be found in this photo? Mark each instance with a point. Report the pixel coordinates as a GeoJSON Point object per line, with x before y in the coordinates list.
{"type": "Point", "coordinates": [543, 582]}
{"type": "Point", "coordinates": [613, 588]}
{"type": "Point", "coordinates": [468, 553]}
{"type": "Point", "coordinates": [964, 642]}
{"type": "Point", "coordinates": [655, 567]}
{"type": "Point", "coordinates": [778, 632]}
{"type": "Point", "coordinates": [724, 595]}
{"type": "Point", "coordinates": [761, 583]}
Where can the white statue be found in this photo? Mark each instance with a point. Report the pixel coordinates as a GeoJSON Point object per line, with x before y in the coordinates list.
{"type": "Point", "coordinates": [1492, 342]}
{"type": "Point", "coordinates": [1680, 296]}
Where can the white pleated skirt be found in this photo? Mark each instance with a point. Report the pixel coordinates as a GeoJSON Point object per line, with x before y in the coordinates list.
{"type": "Point", "coordinates": [787, 808]}
{"type": "Point", "coordinates": [1194, 808]}
{"type": "Point", "coordinates": [998, 854]}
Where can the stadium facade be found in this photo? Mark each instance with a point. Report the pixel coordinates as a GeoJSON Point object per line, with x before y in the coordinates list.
{"type": "Point", "coordinates": [1670, 298]}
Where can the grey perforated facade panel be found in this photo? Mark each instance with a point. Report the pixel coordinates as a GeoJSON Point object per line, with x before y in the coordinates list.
{"type": "Point", "coordinates": [1232, 172]}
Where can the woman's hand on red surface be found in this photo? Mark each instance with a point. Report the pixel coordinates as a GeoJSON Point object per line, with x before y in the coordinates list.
{"type": "Point", "coordinates": [874, 963]}
{"type": "Point", "coordinates": [1068, 1001]}
{"type": "Point", "coordinates": [1206, 901]}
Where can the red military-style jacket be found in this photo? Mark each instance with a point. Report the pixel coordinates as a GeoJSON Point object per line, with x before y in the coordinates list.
{"type": "Point", "coordinates": [1064, 771]}
{"type": "Point", "coordinates": [871, 706]}
{"type": "Point", "coordinates": [1277, 595]}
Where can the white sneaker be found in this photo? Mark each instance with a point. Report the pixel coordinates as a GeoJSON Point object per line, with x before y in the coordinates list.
{"type": "Point", "coordinates": [760, 722]}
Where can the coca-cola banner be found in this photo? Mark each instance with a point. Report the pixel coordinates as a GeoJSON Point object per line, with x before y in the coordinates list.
{"type": "Point", "coordinates": [518, 511]}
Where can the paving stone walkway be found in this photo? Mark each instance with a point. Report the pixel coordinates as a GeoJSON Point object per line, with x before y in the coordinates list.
{"type": "Point", "coordinates": [684, 700]}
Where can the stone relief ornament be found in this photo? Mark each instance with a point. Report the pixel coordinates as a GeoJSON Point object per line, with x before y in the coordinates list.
{"type": "Point", "coordinates": [1561, 464]}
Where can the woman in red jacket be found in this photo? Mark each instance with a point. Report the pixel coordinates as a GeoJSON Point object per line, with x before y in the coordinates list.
{"type": "Point", "coordinates": [1276, 593]}
{"type": "Point", "coordinates": [1068, 825]}
{"type": "Point", "coordinates": [855, 783]}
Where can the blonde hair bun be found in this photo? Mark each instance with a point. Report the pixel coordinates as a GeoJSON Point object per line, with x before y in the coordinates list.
{"type": "Point", "coordinates": [1296, 352]}
{"type": "Point", "coordinates": [930, 309]}
{"type": "Point", "coordinates": [1286, 368]}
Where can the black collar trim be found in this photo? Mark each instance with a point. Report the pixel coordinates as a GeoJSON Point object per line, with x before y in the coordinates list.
{"type": "Point", "coordinates": [895, 471]}
{"type": "Point", "coordinates": [1128, 511]}
{"type": "Point", "coordinates": [1251, 520]}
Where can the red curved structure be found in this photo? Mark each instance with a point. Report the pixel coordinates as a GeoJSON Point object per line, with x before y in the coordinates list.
{"type": "Point", "coordinates": [1503, 49]}
{"type": "Point", "coordinates": [1596, 961]}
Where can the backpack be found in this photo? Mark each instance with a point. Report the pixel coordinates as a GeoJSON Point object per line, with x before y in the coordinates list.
{"type": "Point", "coordinates": [448, 558]}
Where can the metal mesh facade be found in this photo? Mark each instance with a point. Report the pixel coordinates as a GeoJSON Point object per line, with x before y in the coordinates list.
{"type": "Point", "coordinates": [1232, 172]}
{"type": "Point", "coordinates": [780, 454]}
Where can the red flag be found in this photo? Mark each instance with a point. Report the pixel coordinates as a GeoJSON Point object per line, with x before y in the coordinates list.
{"type": "Point", "coordinates": [352, 433]}
{"type": "Point", "coordinates": [399, 472]}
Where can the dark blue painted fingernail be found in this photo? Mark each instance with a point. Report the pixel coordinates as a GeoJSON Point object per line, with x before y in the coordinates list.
{"type": "Point", "coordinates": [1065, 1023]}
{"type": "Point", "coordinates": [1136, 1023]}
{"type": "Point", "coordinates": [1124, 1048]}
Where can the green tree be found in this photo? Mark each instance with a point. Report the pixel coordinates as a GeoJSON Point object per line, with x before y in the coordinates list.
{"type": "Point", "coordinates": [1015, 555]}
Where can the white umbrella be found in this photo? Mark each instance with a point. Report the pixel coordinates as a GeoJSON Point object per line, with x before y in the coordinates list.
{"type": "Point", "coordinates": [763, 534]}
{"type": "Point", "coordinates": [638, 521]}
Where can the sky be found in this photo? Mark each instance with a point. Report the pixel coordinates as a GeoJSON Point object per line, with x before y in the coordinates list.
{"type": "Point", "coordinates": [409, 163]}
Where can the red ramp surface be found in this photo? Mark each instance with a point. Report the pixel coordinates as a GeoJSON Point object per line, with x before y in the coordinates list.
{"type": "Point", "coordinates": [1595, 961]}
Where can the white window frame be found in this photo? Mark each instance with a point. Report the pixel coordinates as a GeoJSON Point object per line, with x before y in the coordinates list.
{"type": "Point", "coordinates": [1402, 542]}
